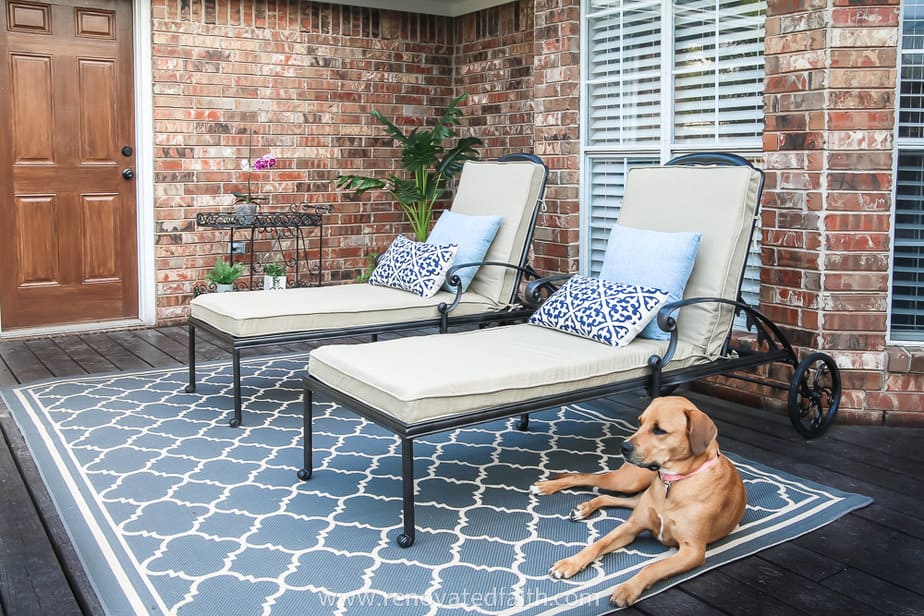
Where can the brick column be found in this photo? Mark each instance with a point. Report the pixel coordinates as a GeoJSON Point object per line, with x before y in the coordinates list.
{"type": "Point", "coordinates": [829, 103]}
{"type": "Point", "coordinates": [556, 100]}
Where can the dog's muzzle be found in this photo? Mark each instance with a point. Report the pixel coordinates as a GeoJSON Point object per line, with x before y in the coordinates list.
{"type": "Point", "coordinates": [628, 453]}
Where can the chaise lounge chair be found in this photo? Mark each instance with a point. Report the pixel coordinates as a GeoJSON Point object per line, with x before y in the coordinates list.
{"type": "Point", "coordinates": [511, 188]}
{"type": "Point", "coordinates": [422, 385]}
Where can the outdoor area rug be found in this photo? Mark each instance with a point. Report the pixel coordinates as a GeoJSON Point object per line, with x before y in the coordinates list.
{"type": "Point", "coordinates": [174, 512]}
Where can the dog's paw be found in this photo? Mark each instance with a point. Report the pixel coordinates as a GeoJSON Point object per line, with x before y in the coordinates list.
{"type": "Point", "coordinates": [544, 487]}
{"type": "Point", "coordinates": [625, 594]}
{"type": "Point", "coordinates": [566, 568]}
{"type": "Point", "coordinates": [581, 512]}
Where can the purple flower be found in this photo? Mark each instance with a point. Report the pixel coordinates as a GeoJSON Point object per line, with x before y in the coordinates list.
{"type": "Point", "coordinates": [267, 161]}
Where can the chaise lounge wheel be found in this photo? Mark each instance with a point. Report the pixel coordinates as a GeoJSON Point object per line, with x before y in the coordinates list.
{"type": "Point", "coordinates": [814, 395]}
{"type": "Point", "coordinates": [304, 474]}
{"type": "Point", "coordinates": [405, 541]}
{"type": "Point", "coordinates": [190, 389]}
{"type": "Point", "coordinates": [235, 423]}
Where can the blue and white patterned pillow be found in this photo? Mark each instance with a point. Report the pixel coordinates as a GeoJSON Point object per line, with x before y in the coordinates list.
{"type": "Point", "coordinates": [414, 266]}
{"type": "Point", "coordinates": [609, 312]}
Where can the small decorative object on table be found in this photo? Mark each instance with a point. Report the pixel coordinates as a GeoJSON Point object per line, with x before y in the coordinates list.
{"type": "Point", "coordinates": [274, 276]}
{"type": "Point", "coordinates": [224, 274]}
{"type": "Point", "coordinates": [246, 205]}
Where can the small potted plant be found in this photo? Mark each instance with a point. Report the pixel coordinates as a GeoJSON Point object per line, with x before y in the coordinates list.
{"type": "Point", "coordinates": [224, 274]}
{"type": "Point", "coordinates": [274, 276]}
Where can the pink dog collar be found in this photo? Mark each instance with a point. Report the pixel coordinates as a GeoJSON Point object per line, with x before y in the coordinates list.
{"type": "Point", "coordinates": [670, 478]}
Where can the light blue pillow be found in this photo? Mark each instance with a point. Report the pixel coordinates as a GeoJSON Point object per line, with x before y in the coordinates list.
{"type": "Point", "coordinates": [651, 259]}
{"type": "Point", "coordinates": [473, 235]}
{"type": "Point", "coordinates": [609, 312]}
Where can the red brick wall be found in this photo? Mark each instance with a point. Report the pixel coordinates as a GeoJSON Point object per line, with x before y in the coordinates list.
{"type": "Point", "coordinates": [830, 105]}
{"type": "Point", "coordinates": [304, 79]}
{"type": "Point", "coordinates": [557, 134]}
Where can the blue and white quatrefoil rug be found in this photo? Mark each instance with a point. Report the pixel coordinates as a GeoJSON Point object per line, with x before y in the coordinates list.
{"type": "Point", "coordinates": [174, 512]}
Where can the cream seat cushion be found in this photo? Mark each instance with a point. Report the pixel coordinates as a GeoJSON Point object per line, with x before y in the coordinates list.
{"type": "Point", "coordinates": [260, 313]}
{"type": "Point", "coordinates": [429, 377]}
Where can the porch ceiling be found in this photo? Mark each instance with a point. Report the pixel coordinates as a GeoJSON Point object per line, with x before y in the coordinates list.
{"type": "Point", "coordinates": [449, 8]}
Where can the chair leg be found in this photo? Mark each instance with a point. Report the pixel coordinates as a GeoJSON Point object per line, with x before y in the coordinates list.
{"type": "Point", "coordinates": [191, 341]}
{"type": "Point", "coordinates": [523, 423]}
{"type": "Point", "coordinates": [236, 376]}
{"type": "Point", "coordinates": [307, 447]}
{"type": "Point", "coordinates": [406, 539]}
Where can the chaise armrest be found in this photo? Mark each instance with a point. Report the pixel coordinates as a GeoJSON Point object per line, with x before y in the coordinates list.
{"type": "Point", "coordinates": [452, 278]}
{"type": "Point", "coordinates": [767, 330]}
{"type": "Point", "coordinates": [540, 289]}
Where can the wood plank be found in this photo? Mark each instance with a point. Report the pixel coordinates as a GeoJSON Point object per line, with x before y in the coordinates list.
{"type": "Point", "coordinates": [150, 354]}
{"type": "Point", "coordinates": [121, 357]}
{"type": "Point", "coordinates": [57, 361]}
{"type": "Point", "coordinates": [877, 551]}
{"type": "Point", "coordinates": [802, 561]}
{"type": "Point", "coordinates": [883, 596]}
{"type": "Point", "coordinates": [31, 578]}
{"type": "Point", "coordinates": [178, 351]}
{"type": "Point", "coordinates": [91, 360]}
{"type": "Point", "coordinates": [674, 602]}
{"type": "Point", "coordinates": [7, 378]}
{"type": "Point", "coordinates": [792, 589]}
{"type": "Point", "coordinates": [206, 350]}
{"type": "Point", "coordinates": [23, 363]}
{"type": "Point", "coordinates": [729, 595]}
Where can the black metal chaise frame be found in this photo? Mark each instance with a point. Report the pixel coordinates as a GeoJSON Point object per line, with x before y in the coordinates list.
{"type": "Point", "coordinates": [814, 390]}
{"type": "Point", "coordinates": [442, 319]}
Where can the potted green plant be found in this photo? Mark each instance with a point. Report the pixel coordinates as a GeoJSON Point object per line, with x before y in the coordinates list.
{"type": "Point", "coordinates": [224, 274]}
{"type": "Point", "coordinates": [274, 276]}
{"type": "Point", "coordinates": [427, 163]}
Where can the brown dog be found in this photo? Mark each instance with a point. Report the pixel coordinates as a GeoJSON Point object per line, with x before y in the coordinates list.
{"type": "Point", "coordinates": [694, 495]}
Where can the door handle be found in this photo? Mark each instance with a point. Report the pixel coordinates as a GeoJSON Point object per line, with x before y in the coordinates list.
{"type": "Point", "coordinates": [128, 174]}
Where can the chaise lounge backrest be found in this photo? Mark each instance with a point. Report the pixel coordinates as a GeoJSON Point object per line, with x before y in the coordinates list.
{"type": "Point", "coordinates": [720, 202]}
{"type": "Point", "coordinates": [513, 189]}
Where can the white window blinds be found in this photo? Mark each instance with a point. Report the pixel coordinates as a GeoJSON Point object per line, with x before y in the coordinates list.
{"type": "Point", "coordinates": [662, 79]}
{"type": "Point", "coordinates": [624, 76]}
{"type": "Point", "coordinates": [718, 72]}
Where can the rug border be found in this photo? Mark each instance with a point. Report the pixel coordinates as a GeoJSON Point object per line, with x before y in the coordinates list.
{"type": "Point", "coordinates": [93, 546]}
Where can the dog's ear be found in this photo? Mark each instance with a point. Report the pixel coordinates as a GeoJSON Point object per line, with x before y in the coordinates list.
{"type": "Point", "coordinates": [701, 430]}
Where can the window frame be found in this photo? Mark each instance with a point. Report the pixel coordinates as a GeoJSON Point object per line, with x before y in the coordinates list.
{"type": "Point", "coordinates": [901, 144]}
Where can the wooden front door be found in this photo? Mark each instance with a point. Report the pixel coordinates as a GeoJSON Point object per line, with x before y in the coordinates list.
{"type": "Point", "coordinates": [68, 226]}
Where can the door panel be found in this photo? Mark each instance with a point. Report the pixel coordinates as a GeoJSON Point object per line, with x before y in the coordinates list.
{"type": "Point", "coordinates": [33, 121]}
{"type": "Point", "coordinates": [101, 220]}
{"type": "Point", "coordinates": [67, 216]}
{"type": "Point", "coordinates": [37, 247]}
{"type": "Point", "coordinates": [98, 142]}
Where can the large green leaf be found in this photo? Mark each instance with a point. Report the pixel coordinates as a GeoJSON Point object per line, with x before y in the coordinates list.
{"type": "Point", "coordinates": [427, 164]}
{"type": "Point", "coordinates": [359, 183]}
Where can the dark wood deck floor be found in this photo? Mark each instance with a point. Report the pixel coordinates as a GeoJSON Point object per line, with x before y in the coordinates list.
{"type": "Point", "coordinates": [869, 562]}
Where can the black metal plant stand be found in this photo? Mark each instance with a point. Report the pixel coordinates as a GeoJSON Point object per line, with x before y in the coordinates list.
{"type": "Point", "coordinates": [276, 227]}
